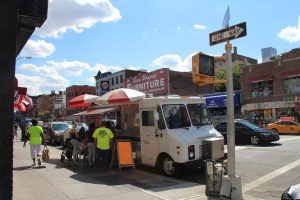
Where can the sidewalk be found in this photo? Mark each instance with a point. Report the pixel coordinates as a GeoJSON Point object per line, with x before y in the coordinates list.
{"type": "Point", "coordinates": [58, 180]}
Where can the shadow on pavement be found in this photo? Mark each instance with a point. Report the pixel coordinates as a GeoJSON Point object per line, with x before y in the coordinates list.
{"type": "Point", "coordinates": [145, 178]}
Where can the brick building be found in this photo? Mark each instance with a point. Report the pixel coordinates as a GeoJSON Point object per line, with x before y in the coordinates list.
{"type": "Point", "coordinates": [109, 81]}
{"type": "Point", "coordinates": [220, 61]}
{"type": "Point", "coordinates": [272, 89]}
{"type": "Point", "coordinates": [163, 82]}
{"type": "Point", "coordinates": [74, 91]}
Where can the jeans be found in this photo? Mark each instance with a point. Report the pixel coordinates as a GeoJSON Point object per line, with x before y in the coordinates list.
{"type": "Point", "coordinates": [103, 158]}
{"type": "Point", "coordinates": [74, 142]}
{"type": "Point", "coordinates": [92, 153]}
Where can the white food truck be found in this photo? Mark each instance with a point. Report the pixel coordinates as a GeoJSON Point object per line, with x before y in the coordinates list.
{"type": "Point", "coordinates": [169, 132]}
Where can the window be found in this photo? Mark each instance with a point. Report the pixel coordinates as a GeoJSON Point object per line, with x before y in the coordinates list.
{"type": "Point", "coordinates": [292, 85]}
{"type": "Point", "coordinates": [199, 115]}
{"type": "Point", "coordinates": [161, 122]}
{"type": "Point", "coordinates": [112, 81]}
{"type": "Point", "coordinates": [121, 78]}
{"type": "Point", "coordinates": [117, 79]}
{"type": "Point", "coordinates": [262, 89]}
{"type": "Point", "coordinates": [147, 118]}
{"type": "Point", "coordinates": [176, 116]}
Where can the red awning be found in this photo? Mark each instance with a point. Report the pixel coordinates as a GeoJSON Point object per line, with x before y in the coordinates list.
{"type": "Point", "coordinates": [260, 79]}
{"type": "Point", "coordinates": [289, 74]}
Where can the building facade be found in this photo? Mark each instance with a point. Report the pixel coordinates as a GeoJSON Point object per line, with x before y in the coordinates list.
{"type": "Point", "coordinates": [74, 91]}
{"type": "Point", "coordinates": [109, 81]}
{"type": "Point", "coordinates": [267, 53]}
{"type": "Point", "coordinates": [164, 82]}
{"type": "Point", "coordinates": [220, 62]}
{"type": "Point", "coordinates": [272, 90]}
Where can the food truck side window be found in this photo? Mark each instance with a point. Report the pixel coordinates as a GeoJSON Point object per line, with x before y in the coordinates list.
{"type": "Point", "coordinates": [147, 118]}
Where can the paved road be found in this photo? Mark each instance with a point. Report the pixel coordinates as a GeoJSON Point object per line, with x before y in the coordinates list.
{"type": "Point", "coordinates": [266, 171]}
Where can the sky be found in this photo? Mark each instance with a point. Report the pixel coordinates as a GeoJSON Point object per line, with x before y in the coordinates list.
{"type": "Point", "coordinates": [81, 37]}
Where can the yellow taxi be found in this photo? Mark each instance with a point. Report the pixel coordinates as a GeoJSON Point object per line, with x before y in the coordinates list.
{"type": "Point", "coordinates": [284, 127]}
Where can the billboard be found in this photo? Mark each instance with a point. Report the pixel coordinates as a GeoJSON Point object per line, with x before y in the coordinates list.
{"type": "Point", "coordinates": [156, 82]}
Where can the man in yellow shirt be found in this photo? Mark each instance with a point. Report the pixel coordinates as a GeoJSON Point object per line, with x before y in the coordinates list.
{"type": "Point", "coordinates": [36, 138]}
{"type": "Point", "coordinates": [103, 140]}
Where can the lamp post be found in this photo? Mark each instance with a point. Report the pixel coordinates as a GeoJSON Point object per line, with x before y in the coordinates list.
{"type": "Point", "coordinates": [26, 57]}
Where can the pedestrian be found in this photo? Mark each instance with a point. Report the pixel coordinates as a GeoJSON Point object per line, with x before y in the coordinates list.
{"type": "Point", "coordinates": [36, 138]}
{"type": "Point", "coordinates": [16, 131]}
{"type": "Point", "coordinates": [74, 141]}
{"type": "Point", "coordinates": [103, 140]}
{"type": "Point", "coordinates": [90, 144]}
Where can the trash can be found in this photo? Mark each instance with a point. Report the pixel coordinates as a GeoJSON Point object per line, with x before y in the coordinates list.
{"type": "Point", "coordinates": [213, 176]}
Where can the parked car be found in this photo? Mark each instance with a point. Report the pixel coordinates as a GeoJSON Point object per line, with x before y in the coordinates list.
{"type": "Point", "coordinates": [54, 131]}
{"type": "Point", "coordinates": [246, 132]}
{"type": "Point", "coordinates": [285, 127]}
{"type": "Point", "coordinates": [292, 193]}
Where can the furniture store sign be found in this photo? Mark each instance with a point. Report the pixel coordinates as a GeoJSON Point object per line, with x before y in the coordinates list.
{"type": "Point", "coordinates": [156, 82]}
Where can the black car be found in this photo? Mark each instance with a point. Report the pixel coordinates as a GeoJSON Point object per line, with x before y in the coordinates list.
{"type": "Point", "coordinates": [246, 132]}
{"type": "Point", "coordinates": [292, 193]}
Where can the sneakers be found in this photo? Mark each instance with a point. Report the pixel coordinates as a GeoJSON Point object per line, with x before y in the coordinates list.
{"type": "Point", "coordinates": [33, 164]}
{"type": "Point", "coordinates": [39, 162]}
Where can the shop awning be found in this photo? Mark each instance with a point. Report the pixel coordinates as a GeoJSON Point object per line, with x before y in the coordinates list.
{"type": "Point", "coordinates": [260, 79]}
{"type": "Point", "coordinates": [290, 74]}
{"type": "Point", "coordinates": [220, 101]}
{"type": "Point", "coordinates": [96, 111]}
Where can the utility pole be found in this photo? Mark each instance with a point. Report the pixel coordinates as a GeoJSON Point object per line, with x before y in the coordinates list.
{"type": "Point", "coordinates": [8, 28]}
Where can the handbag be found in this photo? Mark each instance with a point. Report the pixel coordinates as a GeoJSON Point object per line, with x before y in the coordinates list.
{"type": "Point", "coordinates": [46, 153]}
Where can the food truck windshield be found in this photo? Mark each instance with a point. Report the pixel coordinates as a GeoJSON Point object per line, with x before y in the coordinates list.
{"type": "Point", "coordinates": [177, 116]}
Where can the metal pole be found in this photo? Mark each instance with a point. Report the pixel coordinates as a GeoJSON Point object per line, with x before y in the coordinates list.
{"type": "Point", "coordinates": [230, 113]}
{"type": "Point", "coordinates": [231, 184]}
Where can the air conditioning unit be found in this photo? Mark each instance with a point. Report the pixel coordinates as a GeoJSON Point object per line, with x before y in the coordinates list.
{"type": "Point", "coordinates": [213, 148]}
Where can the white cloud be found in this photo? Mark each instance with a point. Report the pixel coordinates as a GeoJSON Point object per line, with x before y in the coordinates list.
{"type": "Point", "coordinates": [291, 33]}
{"type": "Point", "coordinates": [70, 68]}
{"type": "Point", "coordinates": [76, 15]}
{"type": "Point", "coordinates": [199, 26]}
{"type": "Point", "coordinates": [38, 48]}
{"type": "Point", "coordinates": [174, 62]}
{"type": "Point", "coordinates": [178, 27]}
{"type": "Point", "coordinates": [43, 80]}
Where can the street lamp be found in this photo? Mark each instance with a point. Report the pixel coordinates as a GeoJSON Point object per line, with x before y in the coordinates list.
{"type": "Point", "coordinates": [26, 57]}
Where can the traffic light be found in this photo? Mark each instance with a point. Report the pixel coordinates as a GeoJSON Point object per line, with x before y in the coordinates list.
{"type": "Point", "coordinates": [203, 64]}
{"type": "Point", "coordinates": [203, 69]}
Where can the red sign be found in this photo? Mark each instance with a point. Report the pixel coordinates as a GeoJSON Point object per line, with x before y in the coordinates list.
{"type": "Point", "coordinates": [156, 82]}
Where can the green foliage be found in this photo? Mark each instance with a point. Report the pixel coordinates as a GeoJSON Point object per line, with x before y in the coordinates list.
{"type": "Point", "coordinates": [221, 75]}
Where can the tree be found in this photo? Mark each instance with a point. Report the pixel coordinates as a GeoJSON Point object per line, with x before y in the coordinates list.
{"type": "Point", "coordinates": [221, 75]}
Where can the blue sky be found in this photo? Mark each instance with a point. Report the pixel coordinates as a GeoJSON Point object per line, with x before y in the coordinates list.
{"type": "Point", "coordinates": [81, 37]}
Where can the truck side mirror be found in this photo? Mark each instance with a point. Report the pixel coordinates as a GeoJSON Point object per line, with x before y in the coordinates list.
{"type": "Point", "coordinates": [156, 116]}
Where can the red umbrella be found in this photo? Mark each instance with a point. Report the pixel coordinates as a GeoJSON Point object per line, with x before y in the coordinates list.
{"type": "Point", "coordinates": [82, 100]}
{"type": "Point", "coordinates": [121, 95]}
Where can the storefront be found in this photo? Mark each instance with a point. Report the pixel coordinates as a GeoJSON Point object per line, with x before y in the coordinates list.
{"type": "Point", "coordinates": [271, 111]}
{"type": "Point", "coordinates": [217, 106]}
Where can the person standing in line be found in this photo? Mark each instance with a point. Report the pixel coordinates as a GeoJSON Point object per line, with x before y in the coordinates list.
{"type": "Point", "coordinates": [36, 138]}
{"type": "Point", "coordinates": [90, 144]}
{"type": "Point", "coordinates": [103, 140]}
{"type": "Point", "coordinates": [74, 141]}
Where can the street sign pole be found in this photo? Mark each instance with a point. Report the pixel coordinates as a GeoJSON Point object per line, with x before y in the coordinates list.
{"type": "Point", "coordinates": [230, 113]}
{"type": "Point", "coordinates": [231, 184]}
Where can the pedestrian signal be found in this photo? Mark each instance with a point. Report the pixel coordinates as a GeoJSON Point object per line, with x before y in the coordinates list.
{"type": "Point", "coordinates": [203, 64]}
{"type": "Point", "coordinates": [203, 69]}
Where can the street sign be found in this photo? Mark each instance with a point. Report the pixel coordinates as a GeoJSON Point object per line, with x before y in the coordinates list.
{"type": "Point", "coordinates": [226, 18]}
{"type": "Point", "coordinates": [230, 33]}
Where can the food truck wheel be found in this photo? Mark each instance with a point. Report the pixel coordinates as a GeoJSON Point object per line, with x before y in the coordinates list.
{"type": "Point", "coordinates": [169, 167]}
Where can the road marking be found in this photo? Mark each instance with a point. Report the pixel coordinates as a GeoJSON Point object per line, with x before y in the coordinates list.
{"type": "Point", "coordinates": [287, 139]}
{"type": "Point", "coordinates": [270, 176]}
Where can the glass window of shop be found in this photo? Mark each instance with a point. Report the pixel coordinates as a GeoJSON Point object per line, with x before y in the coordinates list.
{"type": "Point", "coordinates": [262, 89]}
{"type": "Point", "coordinates": [292, 85]}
